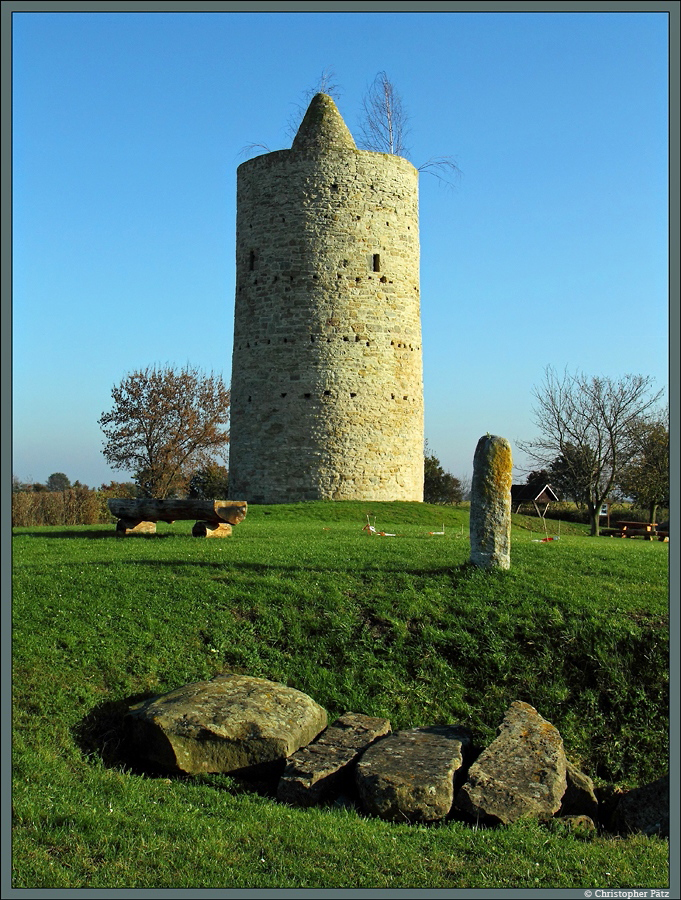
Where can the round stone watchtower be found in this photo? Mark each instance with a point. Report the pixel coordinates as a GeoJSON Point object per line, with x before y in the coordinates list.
{"type": "Point", "coordinates": [327, 388]}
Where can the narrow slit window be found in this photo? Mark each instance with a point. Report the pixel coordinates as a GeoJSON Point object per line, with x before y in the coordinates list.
{"type": "Point", "coordinates": [251, 261]}
{"type": "Point", "coordinates": [377, 262]}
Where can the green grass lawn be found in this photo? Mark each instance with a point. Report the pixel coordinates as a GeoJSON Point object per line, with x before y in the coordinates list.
{"type": "Point", "coordinates": [400, 627]}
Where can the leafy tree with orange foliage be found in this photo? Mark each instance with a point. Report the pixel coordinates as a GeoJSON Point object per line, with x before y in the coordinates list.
{"type": "Point", "coordinates": [166, 423]}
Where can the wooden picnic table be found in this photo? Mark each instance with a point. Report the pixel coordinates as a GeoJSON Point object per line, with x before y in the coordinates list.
{"type": "Point", "coordinates": [624, 529]}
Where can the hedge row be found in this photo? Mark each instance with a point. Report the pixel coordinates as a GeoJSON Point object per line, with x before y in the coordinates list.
{"type": "Point", "coordinates": [85, 506]}
{"type": "Point", "coordinates": [568, 512]}
{"type": "Point", "coordinates": [76, 506]}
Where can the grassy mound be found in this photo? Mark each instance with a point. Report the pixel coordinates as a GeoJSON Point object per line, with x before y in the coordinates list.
{"type": "Point", "coordinates": [399, 626]}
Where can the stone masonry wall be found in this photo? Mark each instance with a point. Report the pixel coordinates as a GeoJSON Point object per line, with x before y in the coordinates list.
{"type": "Point", "coordinates": [327, 397]}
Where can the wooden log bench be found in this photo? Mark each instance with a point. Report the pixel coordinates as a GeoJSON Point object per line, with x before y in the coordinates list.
{"type": "Point", "coordinates": [214, 518]}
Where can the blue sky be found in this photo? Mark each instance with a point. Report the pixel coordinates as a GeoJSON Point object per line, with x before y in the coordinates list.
{"type": "Point", "coordinates": [550, 248]}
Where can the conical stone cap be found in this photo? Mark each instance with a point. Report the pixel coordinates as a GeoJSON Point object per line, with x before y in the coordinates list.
{"type": "Point", "coordinates": [323, 129]}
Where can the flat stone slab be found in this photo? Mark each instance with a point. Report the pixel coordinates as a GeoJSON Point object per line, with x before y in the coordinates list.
{"type": "Point", "coordinates": [409, 775]}
{"type": "Point", "coordinates": [521, 774]}
{"type": "Point", "coordinates": [316, 772]}
{"type": "Point", "coordinates": [229, 723]}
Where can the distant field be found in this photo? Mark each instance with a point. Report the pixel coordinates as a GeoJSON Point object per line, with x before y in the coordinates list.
{"type": "Point", "coordinates": [398, 626]}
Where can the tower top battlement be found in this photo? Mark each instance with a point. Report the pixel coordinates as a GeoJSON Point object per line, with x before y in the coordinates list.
{"type": "Point", "coordinates": [323, 129]}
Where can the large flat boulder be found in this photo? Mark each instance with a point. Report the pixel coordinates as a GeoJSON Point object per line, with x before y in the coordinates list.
{"type": "Point", "coordinates": [227, 724]}
{"type": "Point", "coordinates": [521, 774]}
{"type": "Point", "coordinates": [316, 772]}
{"type": "Point", "coordinates": [409, 775]}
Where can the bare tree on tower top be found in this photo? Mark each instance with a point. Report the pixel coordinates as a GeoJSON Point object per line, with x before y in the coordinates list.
{"type": "Point", "coordinates": [385, 125]}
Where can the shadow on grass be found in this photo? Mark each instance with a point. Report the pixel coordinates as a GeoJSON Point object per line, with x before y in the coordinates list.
{"type": "Point", "coordinates": [459, 574]}
{"type": "Point", "coordinates": [96, 535]}
{"type": "Point", "coordinates": [102, 733]}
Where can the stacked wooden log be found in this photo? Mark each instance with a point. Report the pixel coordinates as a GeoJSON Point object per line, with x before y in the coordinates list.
{"type": "Point", "coordinates": [214, 518]}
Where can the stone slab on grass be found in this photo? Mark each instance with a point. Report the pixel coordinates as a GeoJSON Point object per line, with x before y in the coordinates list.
{"type": "Point", "coordinates": [409, 775]}
{"type": "Point", "coordinates": [316, 772]}
{"type": "Point", "coordinates": [227, 724]}
{"type": "Point", "coordinates": [521, 774]}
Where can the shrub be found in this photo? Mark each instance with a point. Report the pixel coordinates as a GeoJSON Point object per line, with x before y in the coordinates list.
{"type": "Point", "coordinates": [76, 506]}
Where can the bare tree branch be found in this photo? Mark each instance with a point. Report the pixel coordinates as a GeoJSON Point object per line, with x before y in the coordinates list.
{"type": "Point", "coordinates": [248, 151]}
{"type": "Point", "coordinates": [444, 168]}
{"type": "Point", "coordinates": [325, 84]}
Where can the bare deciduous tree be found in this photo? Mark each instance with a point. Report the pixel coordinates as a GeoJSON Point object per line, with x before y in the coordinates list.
{"type": "Point", "coordinates": [325, 84]}
{"type": "Point", "coordinates": [164, 424]}
{"type": "Point", "coordinates": [385, 127]}
{"type": "Point", "coordinates": [386, 124]}
{"type": "Point", "coordinates": [592, 419]}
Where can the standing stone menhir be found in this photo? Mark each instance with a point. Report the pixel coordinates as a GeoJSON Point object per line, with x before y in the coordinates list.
{"type": "Point", "coordinates": [490, 526]}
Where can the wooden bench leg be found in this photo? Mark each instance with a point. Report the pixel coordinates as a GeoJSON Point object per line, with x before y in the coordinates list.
{"type": "Point", "coordinates": [126, 526]}
{"type": "Point", "coordinates": [211, 529]}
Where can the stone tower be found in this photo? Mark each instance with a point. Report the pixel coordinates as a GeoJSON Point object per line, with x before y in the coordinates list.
{"type": "Point", "coordinates": [327, 386]}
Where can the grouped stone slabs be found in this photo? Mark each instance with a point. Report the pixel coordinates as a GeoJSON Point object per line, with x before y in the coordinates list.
{"type": "Point", "coordinates": [410, 775]}
{"type": "Point", "coordinates": [521, 774]}
{"type": "Point", "coordinates": [259, 729]}
{"type": "Point", "coordinates": [323, 769]}
{"type": "Point", "coordinates": [228, 724]}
